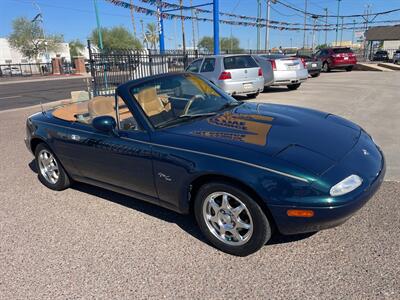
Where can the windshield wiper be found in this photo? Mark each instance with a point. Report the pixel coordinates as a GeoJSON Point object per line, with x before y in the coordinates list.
{"type": "Point", "coordinates": [197, 115]}
{"type": "Point", "coordinates": [184, 117]}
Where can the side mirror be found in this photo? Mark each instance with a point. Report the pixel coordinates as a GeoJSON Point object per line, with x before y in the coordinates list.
{"type": "Point", "coordinates": [105, 124]}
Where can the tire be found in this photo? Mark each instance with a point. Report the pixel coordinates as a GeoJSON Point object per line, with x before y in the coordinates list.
{"type": "Point", "coordinates": [293, 87]}
{"type": "Point", "coordinates": [253, 95]}
{"type": "Point", "coordinates": [349, 69]}
{"type": "Point", "coordinates": [56, 178]}
{"type": "Point", "coordinates": [211, 214]}
{"type": "Point", "coordinates": [315, 75]}
{"type": "Point", "coordinates": [325, 67]}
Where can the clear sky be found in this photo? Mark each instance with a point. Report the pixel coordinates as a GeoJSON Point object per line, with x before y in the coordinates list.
{"type": "Point", "coordinates": [76, 18]}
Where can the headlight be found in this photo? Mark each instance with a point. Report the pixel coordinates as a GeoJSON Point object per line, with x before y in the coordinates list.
{"type": "Point", "coordinates": [346, 185]}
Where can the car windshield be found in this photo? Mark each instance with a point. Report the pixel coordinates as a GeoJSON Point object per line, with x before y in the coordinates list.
{"type": "Point", "coordinates": [342, 50]}
{"type": "Point", "coordinates": [173, 99]}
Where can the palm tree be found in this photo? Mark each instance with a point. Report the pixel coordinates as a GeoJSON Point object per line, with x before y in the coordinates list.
{"type": "Point", "coordinates": [151, 34]}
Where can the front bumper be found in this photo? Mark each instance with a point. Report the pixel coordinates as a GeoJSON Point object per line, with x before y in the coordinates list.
{"type": "Point", "coordinates": [334, 211]}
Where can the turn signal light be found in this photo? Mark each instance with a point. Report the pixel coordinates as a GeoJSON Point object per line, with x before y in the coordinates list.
{"type": "Point", "coordinates": [260, 72]}
{"type": "Point", "coordinates": [302, 213]}
{"type": "Point", "coordinates": [225, 75]}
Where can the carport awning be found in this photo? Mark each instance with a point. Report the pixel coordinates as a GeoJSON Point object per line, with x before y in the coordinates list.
{"type": "Point", "coordinates": [383, 33]}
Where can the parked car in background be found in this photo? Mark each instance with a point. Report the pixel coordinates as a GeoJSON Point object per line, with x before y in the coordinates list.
{"type": "Point", "coordinates": [288, 70]}
{"type": "Point", "coordinates": [235, 74]}
{"type": "Point", "coordinates": [396, 57]}
{"type": "Point", "coordinates": [266, 67]}
{"type": "Point", "coordinates": [381, 55]}
{"type": "Point", "coordinates": [337, 58]}
{"type": "Point", "coordinates": [12, 71]}
{"type": "Point", "coordinates": [313, 64]}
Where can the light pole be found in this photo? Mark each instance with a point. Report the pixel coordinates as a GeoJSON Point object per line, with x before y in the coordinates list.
{"type": "Point", "coordinates": [313, 34]}
{"type": "Point", "coordinates": [267, 25]}
{"type": "Point", "coordinates": [352, 36]}
{"type": "Point", "coordinates": [216, 26]}
{"type": "Point", "coordinates": [98, 25]}
{"type": "Point", "coordinates": [337, 21]}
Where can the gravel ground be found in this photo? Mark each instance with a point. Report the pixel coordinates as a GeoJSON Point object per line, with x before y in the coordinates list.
{"type": "Point", "coordinates": [86, 242]}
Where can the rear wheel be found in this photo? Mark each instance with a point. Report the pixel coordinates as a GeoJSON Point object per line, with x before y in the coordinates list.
{"type": "Point", "coordinates": [293, 86]}
{"type": "Point", "coordinates": [230, 219]}
{"type": "Point", "coordinates": [253, 95]}
{"type": "Point", "coordinates": [325, 67]}
{"type": "Point", "coordinates": [315, 74]}
{"type": "Point", "coordinates": [349, 69]}
{"type": "Point", "coordinates": [50, 171]}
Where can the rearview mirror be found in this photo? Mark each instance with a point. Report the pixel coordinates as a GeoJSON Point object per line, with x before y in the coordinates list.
{"type": "Point", "coordinates": [104, 123]}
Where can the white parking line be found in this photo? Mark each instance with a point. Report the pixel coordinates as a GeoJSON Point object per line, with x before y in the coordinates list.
{"type": "Point", "coordinates": [10, 97]}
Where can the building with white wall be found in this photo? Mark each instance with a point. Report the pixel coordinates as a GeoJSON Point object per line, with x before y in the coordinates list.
{"type": "Point", "coordinates": [9, 55]}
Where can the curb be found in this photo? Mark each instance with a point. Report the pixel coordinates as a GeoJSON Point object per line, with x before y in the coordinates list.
{"type": "Point", "coordinates": [45, 79]}
{"type": "Point", "coordinates": [46, 106]}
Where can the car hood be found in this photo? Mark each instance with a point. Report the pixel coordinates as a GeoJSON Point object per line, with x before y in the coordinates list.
{"type": "Point", "coordinates": [310, 139]}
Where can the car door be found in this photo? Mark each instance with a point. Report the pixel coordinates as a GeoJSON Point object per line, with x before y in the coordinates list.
{"type": "Point", "coordinates": [121, 159]}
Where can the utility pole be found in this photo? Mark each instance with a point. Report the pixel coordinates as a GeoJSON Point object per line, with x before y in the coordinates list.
{"type": "Point", "coordinates": [133, 18]}
{"type": "Point", "coordinates": [305, 23]}
{"type": "Point", "coordinates": [352, 36]}
{"type": "Point", "coordinates": [183, 28]}
{"type": "Point", "coordinates": [341, 33]}
{"type": "Point", "coordinates": [267, 25]}
{"type": "Point", "coordinates": [326, 25]}
{"type": "Point", "coordinates": [337, 20]}
{"type": "Point", "coordinates": [98, 25]}
{"type": "Point", "coordinates": [258, 24]}
{"type": "Point", "coordinates": [197, 26]}
{"type": "Point", "coordinates": [193, 32]}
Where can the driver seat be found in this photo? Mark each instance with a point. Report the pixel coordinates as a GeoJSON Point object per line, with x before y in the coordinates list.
{"type": "Point", "coordinates": [151, 103]}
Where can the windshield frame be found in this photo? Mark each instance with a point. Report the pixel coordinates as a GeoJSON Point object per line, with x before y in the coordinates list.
{"type": "Point", "coordinates": [229, 99]}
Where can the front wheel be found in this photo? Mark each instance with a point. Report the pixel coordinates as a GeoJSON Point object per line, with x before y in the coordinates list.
{"type": "Point", "coordinates": [293, 87]}
{"type": "Point", "coordinates": [230, 219]}
{"type": "Point", "coordinates": [50, 171]}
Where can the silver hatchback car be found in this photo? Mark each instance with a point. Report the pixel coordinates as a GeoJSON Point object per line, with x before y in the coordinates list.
{"type": "Point", "coordinates": [235, 74]}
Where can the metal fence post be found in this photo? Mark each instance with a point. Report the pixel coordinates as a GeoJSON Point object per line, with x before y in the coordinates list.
{"type": "Point", "coordinates": [92, 71]}
{"type": "Point", "coordinates": [150, 61]}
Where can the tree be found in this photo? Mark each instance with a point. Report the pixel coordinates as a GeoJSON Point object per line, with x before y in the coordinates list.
{"type": "Point", "coordinates": [28, 37]}
{"type": "Point", "coordinates": [322, 46]}
{"type": "Point", "coordinates": [226, 44]}
{"type": "Point", "coordinates": [76, 48]}
{"type": "Point", "coordinates": [117, 37]}
{"type": "Point", "coordinates": [152, 35]}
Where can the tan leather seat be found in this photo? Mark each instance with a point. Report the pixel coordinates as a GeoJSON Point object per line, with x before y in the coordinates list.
{"type": "Point", "coordinates": [102, 106]}
{"type": "Point", "coordinates": [151, 103]}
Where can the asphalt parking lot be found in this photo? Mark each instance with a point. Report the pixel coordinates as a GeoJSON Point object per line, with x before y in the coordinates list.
{"type": "Point", "coordinates": [86, 242]}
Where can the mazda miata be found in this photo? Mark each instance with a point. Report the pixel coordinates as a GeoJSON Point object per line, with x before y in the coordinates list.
{"type": "Point", "coordinates": [245, 170]}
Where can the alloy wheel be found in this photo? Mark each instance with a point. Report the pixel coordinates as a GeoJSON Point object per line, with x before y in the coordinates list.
{"type": "Point", "coordinates": [228, 218]}
{"type": "Point", "coordinates": [48, 166]}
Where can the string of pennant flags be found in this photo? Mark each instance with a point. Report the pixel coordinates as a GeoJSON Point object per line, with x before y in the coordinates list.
{"type": "Point", "coordinates": [272, 24]}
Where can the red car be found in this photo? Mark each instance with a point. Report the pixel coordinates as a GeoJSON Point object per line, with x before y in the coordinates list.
{"type": "Point", "coordinates": [337, 58]}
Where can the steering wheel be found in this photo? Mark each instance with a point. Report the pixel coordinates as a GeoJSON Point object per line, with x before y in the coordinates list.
{"type": "Point", "coordinates": [190, 102]}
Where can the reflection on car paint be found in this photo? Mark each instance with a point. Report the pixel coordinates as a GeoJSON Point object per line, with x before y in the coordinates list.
{"type": "Point", "coordinates": [253, 129]}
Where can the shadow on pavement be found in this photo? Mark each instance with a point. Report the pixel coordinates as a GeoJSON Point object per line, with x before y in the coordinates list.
{"type": "Point", "coordinates": [185, 222]}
